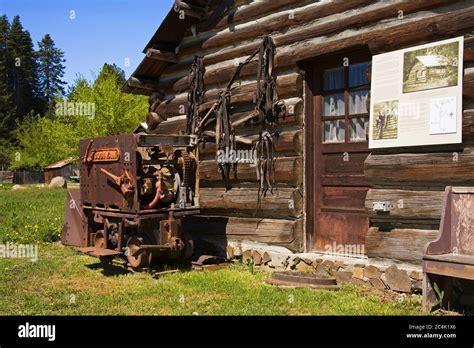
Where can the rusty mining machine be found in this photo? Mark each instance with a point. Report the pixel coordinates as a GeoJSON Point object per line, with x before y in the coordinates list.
{"type": "Point", "coordinates": [134, 190]}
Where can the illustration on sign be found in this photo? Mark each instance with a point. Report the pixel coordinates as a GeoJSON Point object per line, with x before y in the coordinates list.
{"type": "Point", "coordinates": [385, 120]}
{"type": "Point", "coordinates": [443, 115]}
{"type": "Point", "coordinates": [431, 67]}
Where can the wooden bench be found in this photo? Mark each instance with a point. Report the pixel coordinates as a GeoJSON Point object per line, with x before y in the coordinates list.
{"type": "Point", "coordinates": [448, 261]}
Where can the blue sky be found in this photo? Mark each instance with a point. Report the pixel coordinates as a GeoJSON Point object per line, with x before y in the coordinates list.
{"type": "Point", "coordinates": [103, 31]}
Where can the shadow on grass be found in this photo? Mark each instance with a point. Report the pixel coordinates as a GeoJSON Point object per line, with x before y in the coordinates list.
{"type": "Point", "coordinates": [108, 269]}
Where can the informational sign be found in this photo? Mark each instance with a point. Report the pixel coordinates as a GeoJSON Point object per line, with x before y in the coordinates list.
{"type": "Point", "coordinates": [416, 96]}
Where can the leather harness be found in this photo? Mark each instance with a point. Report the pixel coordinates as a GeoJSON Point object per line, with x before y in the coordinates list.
{"type": "Point", "coordinates": [267, 110]}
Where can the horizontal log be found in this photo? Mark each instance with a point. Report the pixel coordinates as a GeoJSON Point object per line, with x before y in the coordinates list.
{"type": "Point", "coordinates": [421, 169]}
{"type": "Point", "coordinates": [283, 203]}
{"type": "Point", "coordinates": [468, 126]}
{"type": "Point", "coordinates": [288, 170]}
{"type": "Point", "coordinates": [400, 244]}
{"type": "Point", "coordinates": [161, 56]}
{"type": "Point", "coordinates": [273, 231]}
{"type": "Point", "coordinates": [151, 85]}
{"type": "Point", "coordinates": [419, 207]}
{"type": "Point", "coordinates": [253, 10]}
{"type": "Point", "coordinates": [287, 85]}
{"type": "Point", "coordinates": [468, 48]}
{"type": "Point", "coordinates": [468, 83]}
{"type": "Point", "coordinates": [280, 20]}
{"type": "Point", "coordinates": [385, 36]}
{"type": "Point", "coordinates": [288, 143]}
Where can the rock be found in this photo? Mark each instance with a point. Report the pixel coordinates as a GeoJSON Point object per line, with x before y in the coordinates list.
{"type": "Point", "coordinates": [257, 258]}
{"type": "Point", "coordinates": [358, 272]}
{"type": "Point", "coordinates": [278, 261]}
{"type": "Point", "coordinates": [304, 267]}
{"type": "Point", "coordinates": [230, 252]}
{"type": "Point", "coordinates": [266, 258]}
{"type": "Point", "coordinates": [293, 261]}
{"type": "Point", "coordinates": [307, 261]}
{"type": "Point", "coordinates": [359, 281]}
{"type": "Point", "coordinates": [397, 280]}
{"type": "Point", "coordinates": [238, 251]}
{"type": "Point", "coordinates": [40, 186]}
{"type": "Point", "coordinates": [58, 181]}
{"type": "Point", "coordinates": [316, 262]}
{"type": "Point", "coordinates": [247, 256]}
{"type": "Point", "coordinates": [17, 187]}
{"type": "Point", "coordinates": [378, 283]}
{"type": "Point", "coordinates": [321, 269]}
{"type": "Point", "coordinates": [342, 276]}
{"type": "Point", "coordinates": [330, 265]}
{"type": "Point", "coordinates": [417, 275]}
{"type": "Point", "coordinates": [339, 263]}
{"type": "Point", "coordinates": [372, 272]}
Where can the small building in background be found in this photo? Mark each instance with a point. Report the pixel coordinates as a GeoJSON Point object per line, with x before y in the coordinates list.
{"type": "Point", "coordinates": [66, 168]}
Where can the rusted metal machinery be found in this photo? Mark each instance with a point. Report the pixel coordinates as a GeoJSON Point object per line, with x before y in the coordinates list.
{"type": "Point", "coordinates": [134, 190]}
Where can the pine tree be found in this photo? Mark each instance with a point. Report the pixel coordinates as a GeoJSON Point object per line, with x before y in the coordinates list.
{"type": "Point", "coordinates": [7, 110]}
{"type": "Point", "coordinates": [51, 70]}
{"type": "Point", "coordinates": [22, 70]}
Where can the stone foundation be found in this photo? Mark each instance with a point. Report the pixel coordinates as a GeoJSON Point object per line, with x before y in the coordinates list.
{"type": "Point", "coordinates": [380, 274]}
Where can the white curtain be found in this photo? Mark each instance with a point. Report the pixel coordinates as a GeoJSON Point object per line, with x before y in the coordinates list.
{"type": "Point", "coordinates": [333, 131]}
{"type": "Point", "coordinates": [333, 105]}
{"type": "Point", "coordinates": [357, 102]}
{"type": "Point", "coordinates": [358, 128]}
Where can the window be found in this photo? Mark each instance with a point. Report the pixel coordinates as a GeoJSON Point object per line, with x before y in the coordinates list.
{"type": "Point", "coordinates": [345, 117]}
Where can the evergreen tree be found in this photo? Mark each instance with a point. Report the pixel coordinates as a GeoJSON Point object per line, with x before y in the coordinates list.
{"type": "Point", "coordinates": [22, 70]}
{"type": "Point", "coordinates": [7, 110]}
{"type": "Point", "coordinates": [51, 70]}
{"type": "Point", "coordinates": [111, 69]}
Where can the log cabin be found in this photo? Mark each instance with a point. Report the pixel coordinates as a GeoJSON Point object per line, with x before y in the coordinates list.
{"type": "Point", "coordinates": [326, 179]}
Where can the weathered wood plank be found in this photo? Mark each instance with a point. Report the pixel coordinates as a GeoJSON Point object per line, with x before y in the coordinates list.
{"type": "Point", "coordinates": [284, 202]}
{"type": "Point", "coordinates": [421, 169]}
{"type": "Point", "coordinates": [288, 170]}
{"type": "Point", "coordinates": [401, 244]}
{"type": "Point", "coordinates": [288, 233]}
{"type": "Point", "coordinates": [419, 206]}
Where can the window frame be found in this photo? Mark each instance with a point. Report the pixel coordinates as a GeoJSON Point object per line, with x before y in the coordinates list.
{"type": "Point", "coordinates": [336, 61]}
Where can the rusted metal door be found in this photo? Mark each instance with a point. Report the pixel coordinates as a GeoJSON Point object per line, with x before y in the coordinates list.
{"type": "Point", "coordinates": [336, 124]}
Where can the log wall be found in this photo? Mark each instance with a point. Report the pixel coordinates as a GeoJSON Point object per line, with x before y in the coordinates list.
{"type": "Point", "coordinates": [306, 29]}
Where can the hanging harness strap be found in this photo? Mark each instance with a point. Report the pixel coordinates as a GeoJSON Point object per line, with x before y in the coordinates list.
{"type": "Point", "coordinates": [268, 108]}
{"type": "Point", "coordinates": [195, 95]}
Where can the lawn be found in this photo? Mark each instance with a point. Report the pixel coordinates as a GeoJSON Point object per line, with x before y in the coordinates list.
{"type": "Point", "coordinates": [63, 282]}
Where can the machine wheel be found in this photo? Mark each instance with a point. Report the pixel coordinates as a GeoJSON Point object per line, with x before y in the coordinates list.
{"type": "Point", "coordinates": [141, 260]}
{"type": "Point", "coordinates": [99, 240]}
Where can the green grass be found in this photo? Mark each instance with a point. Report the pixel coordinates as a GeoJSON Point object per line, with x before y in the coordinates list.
{"type": "Point", "coordinates": [63, 282]}
{"type": "Point", "coordinates": [31, 215]}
